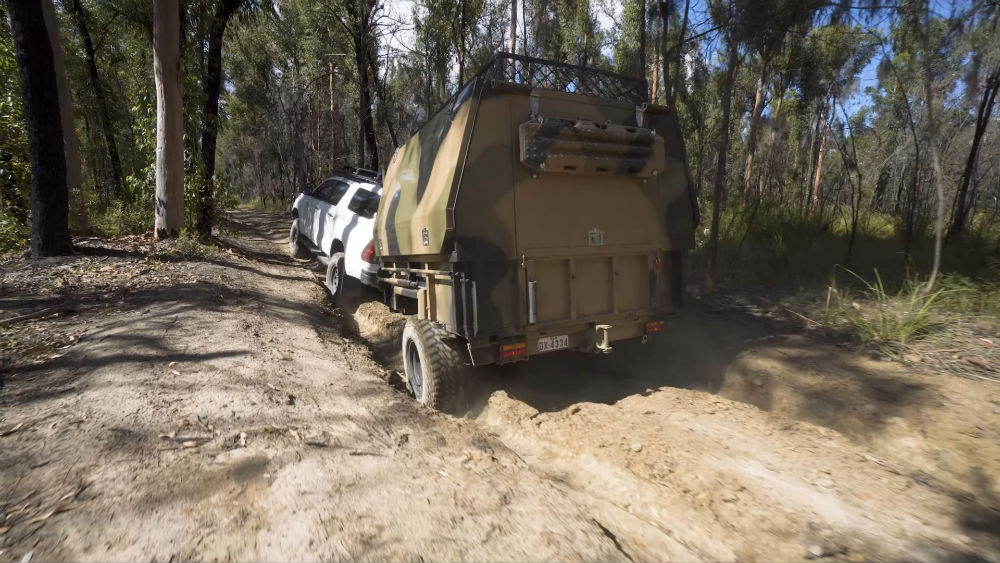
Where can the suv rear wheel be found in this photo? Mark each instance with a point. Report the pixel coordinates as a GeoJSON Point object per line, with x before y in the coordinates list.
{"type": "Point", "coordinates": [335, 278]}
{"type": "Point", "coordinates": [296, 247]}
{"type": "Point", "coordinates": [434, 363]}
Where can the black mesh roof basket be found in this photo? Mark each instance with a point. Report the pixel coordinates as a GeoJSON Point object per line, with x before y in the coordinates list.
{"type": "Point", "coordinates": [551, 75]}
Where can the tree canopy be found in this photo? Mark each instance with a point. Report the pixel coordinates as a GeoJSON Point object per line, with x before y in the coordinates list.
{"type": "Point", "coordinates": [830, 115]}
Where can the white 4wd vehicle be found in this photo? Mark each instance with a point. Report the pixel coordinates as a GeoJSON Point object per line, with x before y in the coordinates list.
{"type": "Point", "coordinates": [336, 222]}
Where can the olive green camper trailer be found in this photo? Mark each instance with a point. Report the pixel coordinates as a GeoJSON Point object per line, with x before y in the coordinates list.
{"type": "Point", "coordinates": [545, 207]}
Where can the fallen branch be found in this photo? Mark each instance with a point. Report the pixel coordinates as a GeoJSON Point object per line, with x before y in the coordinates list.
{"type": "Point", "coordinates": [980, 364]}
{"type": "Point", "coordinates": [37, 314]}
{"type": "Point", "coordinates": [10, 431]}
{"type": "Point", "coordinates": [801, 316]}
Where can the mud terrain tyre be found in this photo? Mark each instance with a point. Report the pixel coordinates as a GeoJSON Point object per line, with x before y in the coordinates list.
{"type": "Point", "coordinates": [434, 363]}
{"type": "Point", "coordinates": [296, 248]}
{"type": "Point", "coordinates": [335, 278]}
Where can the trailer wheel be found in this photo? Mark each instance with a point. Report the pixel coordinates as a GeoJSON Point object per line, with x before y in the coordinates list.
{"type": "Point", "coordinates": [335, 276]}
{"type": "Point", "coordinates": [435, 365]}
{"type": "Point", "coordinates": [296, 248]}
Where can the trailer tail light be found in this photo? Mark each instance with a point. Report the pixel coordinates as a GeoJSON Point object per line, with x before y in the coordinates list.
{"type": "Point", "coordinates": [655, 326]}
{"type": "Point", "coordinates": [368, 254]}
{"type": "Point", "coordinates": [513, 351]}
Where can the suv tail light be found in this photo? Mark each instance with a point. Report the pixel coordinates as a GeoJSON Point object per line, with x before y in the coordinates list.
{"type": "Point", "coordinates": [368, 254]}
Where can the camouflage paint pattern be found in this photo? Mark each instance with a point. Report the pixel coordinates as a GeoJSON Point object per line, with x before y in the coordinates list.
{"type": "Point", "coordinates": [420, 182]}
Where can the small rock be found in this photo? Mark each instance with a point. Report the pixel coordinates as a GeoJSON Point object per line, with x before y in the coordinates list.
{"type": "Point", "coordinates": [574, 410]}
{"type": "Point", "coordinates": [290, 400]}
{"type": "Point", "coordinates": [825, 483]}
{"type": "Point", "coordinates": [820, 550]}
{"type": "Point", "coordinates": [317, 439]}
{"type": "Point", "coordinates": [730, 498]}
{"type": "Point", "coordinates": [758, 381]}
{"type": "Point", "coordinates": [636, 447]}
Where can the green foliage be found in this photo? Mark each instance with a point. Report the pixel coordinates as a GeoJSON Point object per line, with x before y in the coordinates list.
{"type": "Point", "coordinates": [14, 234]}
{"type": "Point", "coordinates": [774, 245]}
{"type": "Point", "coordinates": [15, 168]}
{"type": "Point", "coordinates": [188, 247]}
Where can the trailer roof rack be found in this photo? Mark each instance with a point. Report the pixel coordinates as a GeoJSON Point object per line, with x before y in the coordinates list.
{"type": "Point", "coordinates": [563, 77]}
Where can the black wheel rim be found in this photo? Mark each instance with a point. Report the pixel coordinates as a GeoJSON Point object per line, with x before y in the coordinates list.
{"type": "Point", "coordinates": [416, 372]}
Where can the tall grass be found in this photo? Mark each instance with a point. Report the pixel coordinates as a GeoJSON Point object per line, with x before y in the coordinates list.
{"type": "Point", "coordinates": [803, 261]}
{"type": "Point", "coordinates": [887, 319]}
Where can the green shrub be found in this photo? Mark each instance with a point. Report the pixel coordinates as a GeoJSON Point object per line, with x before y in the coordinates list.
{"type": "Point", "coordinates": [14, 234]}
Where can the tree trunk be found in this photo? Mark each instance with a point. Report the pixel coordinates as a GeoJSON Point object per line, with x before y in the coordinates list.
{"type": "Point", "coordinates": [679, 57]}
{"type": "Point", "coordinates": [513, 26]}
{"type": "Point", "coordinates": [720, 168]}
{"type": "Point", "coordinates": [369, 152]}
{"type": "Point", "coordinates": [758, 108]}
{"type": "Point", "coordinates": [772, 152]}
{"type": "Point", "coordinates": [820, 155]}
{"type": "Point", "coordinates": [664, 8]}
{"type": "Point", "coordinates": [169, 120]}
{"type": "Point", "coordinates": [39, 90]}
{"type": "Point", "coordinates": [461, 44]}
{"type": "Point", "coordinates": [383, 114]}
{"type": "Point", "coordinates": [117, 177]}
{"type": "Point", "coordinates": [210, 115]}
{"type": "Point", "coordinates": [983, 115]}
{"type": "Point", "coordinates": [642, 39]}
{"type": "Point", "coordinates": [74, 167]}
{"type": "Point", "coordinates": [774, 117]}
{"type": "Point", "coordinates": [932, 133]}
{"type": "Point", "coordinates": [655, 95]}
{"type": "Point", "coordinates": [333, 112]}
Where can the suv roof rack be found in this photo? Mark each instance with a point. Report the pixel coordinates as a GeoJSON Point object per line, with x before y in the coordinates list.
{"type": "Point", "coordinates": [361, 174]}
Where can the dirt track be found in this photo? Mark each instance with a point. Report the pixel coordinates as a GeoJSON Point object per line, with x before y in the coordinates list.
{"type": "Point", "coordinates": [230, 413]}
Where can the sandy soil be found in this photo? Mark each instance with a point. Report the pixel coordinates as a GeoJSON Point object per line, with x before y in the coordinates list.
{"type": "Point", "coordinates": [217, 407]}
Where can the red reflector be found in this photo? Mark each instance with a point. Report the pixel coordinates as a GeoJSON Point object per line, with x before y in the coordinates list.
{"type": "Point", "coordinates": [514, 350]}
{"type": "Point", "coordinates": [655, 326]}
{"type": "Point", "coordinates": [368, 254]}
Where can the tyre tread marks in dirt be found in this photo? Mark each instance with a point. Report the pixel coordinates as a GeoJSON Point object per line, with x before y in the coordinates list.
{"type": "Point", "coordinates": [295, 247]}
{"type": "Point", "coordinates": [445, 365]}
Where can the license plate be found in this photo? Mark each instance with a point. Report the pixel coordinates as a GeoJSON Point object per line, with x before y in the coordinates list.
{"type": "Point", "coordinates": [550, 343]}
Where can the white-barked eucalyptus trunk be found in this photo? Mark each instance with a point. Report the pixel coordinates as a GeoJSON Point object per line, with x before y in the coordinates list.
{"type": "Point", "coordinates": [169, 119]}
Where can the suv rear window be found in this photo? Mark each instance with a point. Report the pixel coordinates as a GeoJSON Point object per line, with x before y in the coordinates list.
{"type": "Point", "coordinates": [331, 191]}
{"type": "Point", "coordinates": [364, 203]}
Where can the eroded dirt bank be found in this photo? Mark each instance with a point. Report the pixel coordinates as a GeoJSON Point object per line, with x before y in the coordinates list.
{"type": "Point", "coordinates": [218, 408]}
